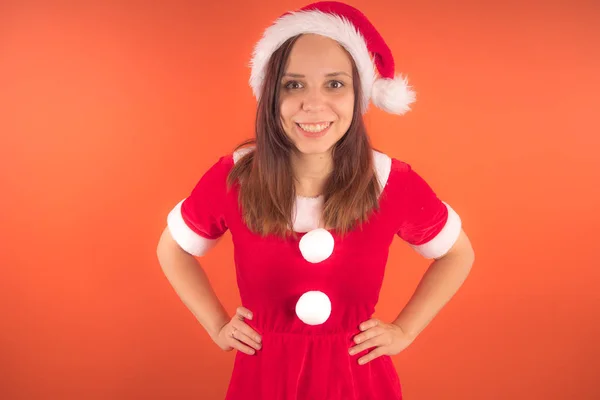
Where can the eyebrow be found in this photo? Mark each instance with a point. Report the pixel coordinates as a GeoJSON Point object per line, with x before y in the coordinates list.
{"type": "Point", "coordinates": [293, 75]}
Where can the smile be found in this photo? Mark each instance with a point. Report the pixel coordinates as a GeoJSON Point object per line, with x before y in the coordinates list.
{"type": "Point", "coordinates": [315, 127]}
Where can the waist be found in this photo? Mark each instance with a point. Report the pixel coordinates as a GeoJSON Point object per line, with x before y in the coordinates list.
{"type": "Point", "coordinates": [289, 322]}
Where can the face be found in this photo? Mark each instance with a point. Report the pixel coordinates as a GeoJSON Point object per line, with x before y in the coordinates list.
{"type": "Point", "coordinates": [317, 94]}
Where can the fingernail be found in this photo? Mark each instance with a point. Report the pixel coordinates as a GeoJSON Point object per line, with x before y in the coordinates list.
{"type": "Point", "coordinates": [361, 362]}
{"type": "Point", "coordinates": [258, 339]}
{"type": "Point", "coordinates": [351, 352]}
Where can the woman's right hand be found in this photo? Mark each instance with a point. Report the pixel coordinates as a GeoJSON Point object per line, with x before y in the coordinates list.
{"type": "Point", "coordinates": [236, 334]}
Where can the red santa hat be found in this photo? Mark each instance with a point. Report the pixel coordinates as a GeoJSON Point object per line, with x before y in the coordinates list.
{"type": "Point", "coordinates": [351, 28]}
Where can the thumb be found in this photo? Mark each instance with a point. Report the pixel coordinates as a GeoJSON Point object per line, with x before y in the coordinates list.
{"type": "Point", "coordinates": [243, 312]}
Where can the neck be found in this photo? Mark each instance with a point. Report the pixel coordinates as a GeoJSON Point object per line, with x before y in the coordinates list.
{"type": "Point", "coordinates": [311, 172]}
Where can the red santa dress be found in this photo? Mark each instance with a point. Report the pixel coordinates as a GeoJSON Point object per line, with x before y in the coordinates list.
{"type": "Point", "coordinates": [308, 295]}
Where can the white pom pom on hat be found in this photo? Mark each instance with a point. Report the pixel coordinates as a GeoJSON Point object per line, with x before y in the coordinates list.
{"type": "Point", "coordinates": [351, 28]}
{"type": "Point", "coordinates": [393, 95]}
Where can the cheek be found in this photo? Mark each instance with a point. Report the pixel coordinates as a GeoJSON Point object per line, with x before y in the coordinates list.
{"type": "Point", "coordinates": [349, 109]}
{"type": "Point", "coordinates": [345, 109]}
{"type": "Point", "coordinates": [288, 109]}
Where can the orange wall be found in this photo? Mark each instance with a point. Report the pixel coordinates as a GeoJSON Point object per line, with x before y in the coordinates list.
{"type": "Point", "coordinates": [109, 113]}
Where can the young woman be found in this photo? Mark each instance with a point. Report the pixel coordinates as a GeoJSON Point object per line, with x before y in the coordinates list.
{"type": "Point", "coordinates": [312, 209]}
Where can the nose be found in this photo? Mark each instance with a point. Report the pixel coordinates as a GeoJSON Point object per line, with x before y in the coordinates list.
{"type": "Point", "coordinates": [314, 100]}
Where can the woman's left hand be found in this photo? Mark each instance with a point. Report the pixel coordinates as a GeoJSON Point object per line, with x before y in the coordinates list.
{"type": "Point", "coordinates": [386, 339]}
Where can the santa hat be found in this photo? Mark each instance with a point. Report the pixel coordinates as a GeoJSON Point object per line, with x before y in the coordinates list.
{"type": "Point", "coordinates": [351, 28]}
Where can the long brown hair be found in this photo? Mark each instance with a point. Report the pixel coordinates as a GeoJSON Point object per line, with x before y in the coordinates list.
{"type": "Point", "coordinates": [267, 191]}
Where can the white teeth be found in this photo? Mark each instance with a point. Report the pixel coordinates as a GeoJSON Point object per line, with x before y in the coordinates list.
{"type": "Point", "coordinates": [315, 127]}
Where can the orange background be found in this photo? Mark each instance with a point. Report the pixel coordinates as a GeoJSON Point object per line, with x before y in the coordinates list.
{"type": "Point", "coordinates": [110, 112]}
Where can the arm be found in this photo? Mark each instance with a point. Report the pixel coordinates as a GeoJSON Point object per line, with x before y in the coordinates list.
{"type": "Point", "coordinates": [191, 284]}
{"type": "Point", "coordinates": [440, 282]}
{"type": "Point", "coordinates": [194, 226]}
{"type": "Point", "coordinates": [434, 230]}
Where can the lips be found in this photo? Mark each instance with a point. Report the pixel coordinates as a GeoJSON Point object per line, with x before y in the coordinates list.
{"type": "Point", "coordinates": [314, 129]}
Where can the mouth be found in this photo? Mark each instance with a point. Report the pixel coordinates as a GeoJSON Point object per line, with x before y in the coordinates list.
{"type": "Point", "coordinates": [314, 129]}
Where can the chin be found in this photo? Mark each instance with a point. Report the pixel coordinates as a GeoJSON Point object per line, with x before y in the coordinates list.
{"type": "Point", "coordinates": [313, 149]}
{"type": "Point", "coordinates": [315, 146]}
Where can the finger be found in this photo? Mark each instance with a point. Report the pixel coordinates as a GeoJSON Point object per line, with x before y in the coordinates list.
{"type": "Point", "coordinates": [368, 334]}
{"type": "Point", "coordinates": [377, 341]}
{"type": "Point", "coordinates": [247, 330]}
{"type": "Point", "coordinates": [242, 337]}
{"type": "Point", "coordinates": [236, 344]}
{"type": "Point", "coordinates": [243, 312]}
{"type": "Point", "coordinates": [378, 352]}
{"type": "Point", "coordinates": [373, 322]}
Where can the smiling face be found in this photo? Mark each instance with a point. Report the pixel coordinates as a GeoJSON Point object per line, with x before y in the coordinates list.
{"type": "Point", "coordinates": [317, 94]}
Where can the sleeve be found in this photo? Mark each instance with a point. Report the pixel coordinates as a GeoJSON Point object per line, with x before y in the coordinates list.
{"type": "Point", "coordinates": [197, 222]}
{"type": "Point", "coordinates": [429, 225]}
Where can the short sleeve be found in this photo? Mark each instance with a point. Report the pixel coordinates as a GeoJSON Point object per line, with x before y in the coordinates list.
{"type": "Point", "coordinates": [429, 225]}
{"type": "Point", "coordinates": [198, 221]}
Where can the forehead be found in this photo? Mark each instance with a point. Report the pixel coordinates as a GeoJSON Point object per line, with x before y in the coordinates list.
{"type": "Point", "coordinates": [315, 54]}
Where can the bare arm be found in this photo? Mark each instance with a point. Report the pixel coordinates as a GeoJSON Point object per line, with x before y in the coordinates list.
{"type": "Point", "coordinates": [440, 282]}
{"type": "Point", "coordinates": [191, 284]}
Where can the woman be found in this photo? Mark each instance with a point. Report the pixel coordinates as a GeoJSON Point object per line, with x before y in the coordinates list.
{"type": "Point", "coordinates": [312, 210]}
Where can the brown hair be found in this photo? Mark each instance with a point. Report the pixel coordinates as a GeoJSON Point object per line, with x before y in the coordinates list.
{"type": "Point", "coordinates": [267, 191]}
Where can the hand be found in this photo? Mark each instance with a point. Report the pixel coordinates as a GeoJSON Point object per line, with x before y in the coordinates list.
{"type": "Point", "coordinates": [236, 334]}
{"type": "Point", "coordinates": [386, 339]}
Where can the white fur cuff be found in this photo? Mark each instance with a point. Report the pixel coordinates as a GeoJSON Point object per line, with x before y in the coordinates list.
{"type": "Point", "coordinates": [189, 240]}
{"type": "Point", "coordinates": [443, 242]}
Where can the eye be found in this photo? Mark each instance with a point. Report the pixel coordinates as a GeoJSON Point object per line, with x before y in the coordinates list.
{"type": "Point", "coordinates": [336, 84]}
{"type": "Point", "coordinates": [293, 85]}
